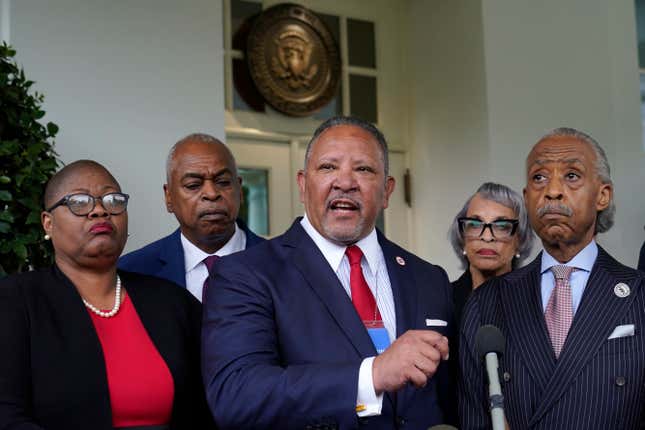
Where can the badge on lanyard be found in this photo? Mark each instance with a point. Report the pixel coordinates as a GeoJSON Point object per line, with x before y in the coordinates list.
{"type": "Point", "coordinates": [378, 334]}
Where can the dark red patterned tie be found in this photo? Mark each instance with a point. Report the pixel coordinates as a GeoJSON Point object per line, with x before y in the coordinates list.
{"type": "Point", "coordinates": [362, 297]}
{"type": "Point", "coordinates": [209, 262]}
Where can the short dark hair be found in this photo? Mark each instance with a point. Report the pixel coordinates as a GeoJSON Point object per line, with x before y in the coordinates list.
{"type": "Point", "coordinates": [53, 185]}
{"type": "Point", "coordinates": [357, 122]}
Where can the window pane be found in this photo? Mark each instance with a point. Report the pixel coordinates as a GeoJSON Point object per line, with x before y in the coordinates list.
{"type": "Point", "coordinates": [333, 24]}
{"type": "Point", "coordinates": [333, 108]}
{"type": "Point", "coordinates": [254, 210]}
{"type": "Point", "coordinates": [241, 14]}
{"type": "Point", "coordinates": [380, 222]}
{"type": "Point", "coordinates": [362, 97]}
{"type": "Point", "coordinates": [361, 45]}
{"type": "Point", "coordinates": [245, 94]}
{"type": "Point", "coordinates": [640, 30]}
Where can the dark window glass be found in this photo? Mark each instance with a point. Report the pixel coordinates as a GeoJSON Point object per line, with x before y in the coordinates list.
{"type": "Point", "coordinates": [242, 13]}
{"type": "Point", "coordinates": [333, 108]}
{"type": "Point", "coordinates": [333, 24]}
{"type": "Point", "coordinates": [245, 94]}
{"type": "Point", "coordinates": [380, 222]}
{"type": "Point", "coordinates": [640, 30]}
{"type": "Point", "coordinates": [254, 210]}
{"type": "Point", "coordinates": [360, 41]}
{"type": "Point", "coordinates": [362, 96]}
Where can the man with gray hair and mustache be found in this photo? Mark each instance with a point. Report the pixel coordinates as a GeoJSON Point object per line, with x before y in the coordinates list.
{"type": "Point", "coordinates": [573, 319]}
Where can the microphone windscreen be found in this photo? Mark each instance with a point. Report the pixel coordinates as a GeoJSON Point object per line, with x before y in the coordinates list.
{"type": "Point", "coordinates": [489, 339]}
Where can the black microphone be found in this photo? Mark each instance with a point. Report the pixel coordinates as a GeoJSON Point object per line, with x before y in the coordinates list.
{"type": "Point", "coordinates": [489, 342]}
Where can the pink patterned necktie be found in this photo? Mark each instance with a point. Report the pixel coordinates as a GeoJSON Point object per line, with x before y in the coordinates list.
{"type": "Point", "coordinates": [209, 262]}
{"type": "Point", "coordinates": [559, 309]}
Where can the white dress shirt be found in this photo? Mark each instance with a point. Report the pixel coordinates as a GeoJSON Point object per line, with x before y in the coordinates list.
{"type": "Point", "coordinates": [376, 276]}
{"type": "Point", "coordinates": [583, 261]}
{"type": "Point", "coordinates": [196, 270]}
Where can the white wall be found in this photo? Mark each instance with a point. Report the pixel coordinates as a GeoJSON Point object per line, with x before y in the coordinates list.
{"type": "Point", "coordinates": [449, 154]}
{"type": "Point", "coordinates": [498, 75]}
{"type": "Point", "coordinates": [124, 80]}
{"type": "Point", "coordinates": [569, 63]}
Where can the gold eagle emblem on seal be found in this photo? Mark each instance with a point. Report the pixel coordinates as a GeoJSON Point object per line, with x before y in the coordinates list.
{"type": "Point", "coordinates": [293, 59]}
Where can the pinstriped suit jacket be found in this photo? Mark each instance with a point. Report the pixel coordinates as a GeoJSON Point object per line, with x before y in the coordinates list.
{"type": "Point", "coordinates": [595, 384]}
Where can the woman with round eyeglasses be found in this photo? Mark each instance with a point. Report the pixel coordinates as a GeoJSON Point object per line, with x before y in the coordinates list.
{"type": "Point", "coordinates": [86, 346]}
{"type": "Point", "coordinates": [491, 236]}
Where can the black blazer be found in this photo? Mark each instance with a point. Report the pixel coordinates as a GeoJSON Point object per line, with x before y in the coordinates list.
{"type": "Point", "coordinates": [52, 370]}
{"type": "Point", "coordinates": [596, 383]}
{"type": "Point", "coordinates": [641, 259]}
{"type": "Point", "coordinates": [461, 289]}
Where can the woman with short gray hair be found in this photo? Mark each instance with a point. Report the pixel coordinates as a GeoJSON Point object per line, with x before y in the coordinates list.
{"type": "Point", "coordinates": [491, 236]}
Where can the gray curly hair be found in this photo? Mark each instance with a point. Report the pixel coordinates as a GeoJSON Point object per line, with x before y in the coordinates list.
{"type": "Point", "coordinates": [505, 196]}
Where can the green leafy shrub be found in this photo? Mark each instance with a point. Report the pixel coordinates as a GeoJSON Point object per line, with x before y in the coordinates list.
{"type": "Point", "coordinates": [27, 161]}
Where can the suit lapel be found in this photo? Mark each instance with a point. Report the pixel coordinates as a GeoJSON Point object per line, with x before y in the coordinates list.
{"type": "Point", "coordinates": [404, 293]}
{"type": "Point", "coordinates": [172, 260]}
{"type": "Point", "coordinates": [522, 306]}
{"type": "Point", "coordinates": [84, 349]}
{"type": "Point", "coordinates": [323, 281]}
{"type": "Point", "coordinates": [404, 289]}
{"type": "Point", "coordinates": [598, 314]}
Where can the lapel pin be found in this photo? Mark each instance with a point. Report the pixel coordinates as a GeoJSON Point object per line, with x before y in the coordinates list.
{"type": "Point", "coordinates": [621, 290]}
{"type": "Point", "coordinates": [400, 260]}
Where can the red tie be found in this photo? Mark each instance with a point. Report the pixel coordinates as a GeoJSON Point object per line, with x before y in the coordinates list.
{"type": "Point", "coordinates": [361, 295]}
{"type": "Point", "coordinates": [209, 262]}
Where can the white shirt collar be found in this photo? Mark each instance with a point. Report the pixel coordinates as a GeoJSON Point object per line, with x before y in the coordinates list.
{"type": "Point", "coordinates": [334, 253]}
{"type": "Point", "coordinates": [584, 260]}
{"type": "Point", "coordinates": [193, 255]}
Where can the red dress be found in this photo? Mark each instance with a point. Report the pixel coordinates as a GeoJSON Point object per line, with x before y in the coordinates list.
{"type": "Point", "coordinates": [139, 381]}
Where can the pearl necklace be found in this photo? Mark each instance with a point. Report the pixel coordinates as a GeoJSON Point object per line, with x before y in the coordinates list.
{"type": "Point", "coordinates": [115, 308]}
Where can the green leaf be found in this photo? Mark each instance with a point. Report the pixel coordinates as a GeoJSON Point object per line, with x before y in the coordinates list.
{"type": "Point", "coordinates": [5, 196]}
{"type": "Point", "coordinates": [5, 179]}
{"type": "Point", "coordinates": [4, 227]}
{"type": "Point", "coordinates": [6, 216]}
{"type": "Point", "coordinates": [52, 128]}
{"type": "Point", "coordinates": [33, 218]}
{"type": "Point", "coordinates": [21, 250]}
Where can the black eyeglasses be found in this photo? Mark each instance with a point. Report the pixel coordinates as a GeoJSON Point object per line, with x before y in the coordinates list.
{"type": "Point", "coordinates": [82, 204]}
{"type": "Point", "coordinates": [473, 228]}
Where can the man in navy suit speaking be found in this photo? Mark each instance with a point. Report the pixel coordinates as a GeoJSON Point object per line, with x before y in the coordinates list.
{"type": "Point", "coordinates": [574, 318]}
{"type": "Point", "coordinates": [204, 192]}
{"type": "Point", "coordinates": [329, 326]}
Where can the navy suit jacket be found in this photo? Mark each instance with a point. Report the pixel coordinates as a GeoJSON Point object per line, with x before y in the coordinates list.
{"type": "Point", "coordinates": [282, 343]}
{"type": "Point", "coordinates": [597, 383]}
{"type": "Point", "coordinates": [164, 258]}
{"type": "Point", "coordinates": [641, 259]}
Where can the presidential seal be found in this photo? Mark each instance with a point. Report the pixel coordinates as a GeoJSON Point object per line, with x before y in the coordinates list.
{"type": "Point", "coordinates": [293, 59]}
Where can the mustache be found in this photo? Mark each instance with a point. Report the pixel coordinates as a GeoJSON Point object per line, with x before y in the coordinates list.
{"type": "Point", "coordinates": [343, 196]}
{"type": "Point", "coordinates": [554, 208]}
